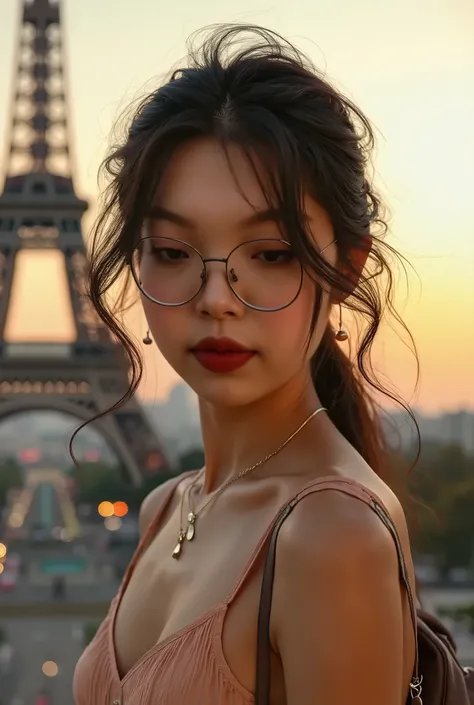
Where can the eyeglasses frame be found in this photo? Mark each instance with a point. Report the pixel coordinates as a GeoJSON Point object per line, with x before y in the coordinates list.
{"type": "Point", "coordinates": [223, 260]}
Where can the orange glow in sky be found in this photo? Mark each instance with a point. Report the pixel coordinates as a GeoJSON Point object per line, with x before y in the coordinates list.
{"type": "Point", "coordinates": [40, 309]}
{"type": "Point", "coordinates": [408, 65]}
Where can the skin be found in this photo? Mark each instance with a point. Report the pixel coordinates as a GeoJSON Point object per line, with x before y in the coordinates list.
{"type": "Point", "coordinates": [340, 626]}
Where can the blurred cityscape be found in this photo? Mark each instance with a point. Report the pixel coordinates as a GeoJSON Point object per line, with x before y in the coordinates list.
{"type": "Point", "coordinates": [67, 535]}
{"type": "Point", "coordinates": [66, 539]}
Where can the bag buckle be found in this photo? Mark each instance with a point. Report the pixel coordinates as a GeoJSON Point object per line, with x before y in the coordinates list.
{"type": "Point", "coordinates": [415, 690]}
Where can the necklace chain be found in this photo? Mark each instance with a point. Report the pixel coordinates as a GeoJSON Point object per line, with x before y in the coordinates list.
{"type": "Point", "coordinates": [190, 531]}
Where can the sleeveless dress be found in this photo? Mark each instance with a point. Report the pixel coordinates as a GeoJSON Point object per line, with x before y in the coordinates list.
{"type": "Point", "coordinates": [189, 666]}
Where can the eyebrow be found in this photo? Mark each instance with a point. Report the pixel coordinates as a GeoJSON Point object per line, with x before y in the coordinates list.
{"type": "Point", "coordinates": [262, 216]}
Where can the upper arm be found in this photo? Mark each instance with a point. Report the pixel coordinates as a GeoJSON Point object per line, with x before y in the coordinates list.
{"type": "Point", "coordinates": [337, 618]}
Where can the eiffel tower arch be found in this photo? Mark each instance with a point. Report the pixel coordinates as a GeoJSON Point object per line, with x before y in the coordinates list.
{"type": "Point", "coordinates": [41, 212]}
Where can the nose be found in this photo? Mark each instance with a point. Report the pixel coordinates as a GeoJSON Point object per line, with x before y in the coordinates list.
{"type": "Point", "coordinates": [217, 299]}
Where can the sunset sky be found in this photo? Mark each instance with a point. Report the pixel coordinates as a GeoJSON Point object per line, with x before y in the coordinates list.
{"type": "Point", "coordinates": [408, 64]}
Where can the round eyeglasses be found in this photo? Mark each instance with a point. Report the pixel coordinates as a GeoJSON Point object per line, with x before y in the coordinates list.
{"type": "Point", "coordinates": [265, 275]}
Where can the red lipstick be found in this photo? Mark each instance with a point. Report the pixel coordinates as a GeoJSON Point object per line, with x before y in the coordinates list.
{"type": "Point", "coordinates": [221, 354]}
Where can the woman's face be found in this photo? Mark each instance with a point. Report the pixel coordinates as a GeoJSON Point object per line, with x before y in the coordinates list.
{"type": "Point", "coordinates": [214, 202]}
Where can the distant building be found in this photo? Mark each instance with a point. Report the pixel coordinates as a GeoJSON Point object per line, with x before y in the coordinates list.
{"type": "Point", "coordinates": [50, 432]}
{"type": "Point", "coordinates": [455, 428]}
{"type": "Point", "coordinates": [177, 419]}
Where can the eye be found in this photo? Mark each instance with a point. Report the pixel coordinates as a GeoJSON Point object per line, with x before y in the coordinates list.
{"type": "Point", "coordinates": [169, 254]}
{"type": "Point", "coordinates": [273, 256]}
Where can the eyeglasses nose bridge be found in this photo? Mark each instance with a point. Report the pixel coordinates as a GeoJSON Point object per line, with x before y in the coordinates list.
{"type": "Point", "coordinates": [214, 259]}
{"type": "Point", "coordinates": [205, 260]}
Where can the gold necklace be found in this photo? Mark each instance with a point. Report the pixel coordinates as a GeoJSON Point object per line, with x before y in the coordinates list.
{"type": "Point", "coordinates": [190, 532]}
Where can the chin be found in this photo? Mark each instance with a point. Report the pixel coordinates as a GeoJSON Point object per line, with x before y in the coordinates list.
{"type": "Point", "coordinates": [241, 388]}
{"type": "Point", "coordinates": [223, 389]}
{"type": "Point", "coordinates": [227, 392]}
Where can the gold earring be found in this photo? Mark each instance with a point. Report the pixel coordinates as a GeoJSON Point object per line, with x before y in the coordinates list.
{"type": "Point", "coordinates": [147, 340]}
{"type": "Point", "coordinates": [341, 335]}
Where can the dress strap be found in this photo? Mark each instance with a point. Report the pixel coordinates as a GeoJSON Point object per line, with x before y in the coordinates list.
{"type": "Point", "coordinates": [327, 482]}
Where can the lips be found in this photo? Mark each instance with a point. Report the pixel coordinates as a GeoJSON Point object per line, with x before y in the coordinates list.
{"type": "Point", "coordinates": [221, 354]}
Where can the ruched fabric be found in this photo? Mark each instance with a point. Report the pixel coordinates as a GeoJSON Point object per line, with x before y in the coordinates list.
{"type": "Point", "coordinates": [187, 668]}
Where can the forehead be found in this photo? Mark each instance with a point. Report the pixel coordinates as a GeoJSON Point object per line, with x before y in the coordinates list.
{"type": "Point", "coordinates": [217, 188]}
{"type": "Point", "coordinates": [204, 180]}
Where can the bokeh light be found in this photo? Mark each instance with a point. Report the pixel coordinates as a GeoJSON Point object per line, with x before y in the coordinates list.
{"type": "Point", "coordinates": [15, 520]}
{"type": "Point", "coordinates": [2, 568]}
{"type": "Point", "coordinates": [50, 669]}
{"type": "Point", "coordinates": [3, 550]}
{"type": "Point", "coordinates": [112, 523]}
{"type": "Point", "coordinates": [120, 509]}
{"type": "Point", "coordinates": [106, 509]}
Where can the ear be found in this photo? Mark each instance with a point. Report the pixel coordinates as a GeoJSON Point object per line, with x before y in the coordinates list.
{"type": "Point", "coordinates": [352, 270]}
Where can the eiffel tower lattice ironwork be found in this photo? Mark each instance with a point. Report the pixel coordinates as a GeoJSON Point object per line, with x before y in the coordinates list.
{"type": "Point", "coordinates": [39, 210]}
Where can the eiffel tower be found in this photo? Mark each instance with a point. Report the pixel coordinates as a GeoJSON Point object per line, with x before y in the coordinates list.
{"type": "Point", "coordinates": [40, 211]}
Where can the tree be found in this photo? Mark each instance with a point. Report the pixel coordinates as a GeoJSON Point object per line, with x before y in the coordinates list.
{"type": "Point", "coordinates": [192, 460]}
{"type": "Point", "coordinates": [97, 482]}
{"type": "Point", "coordinates": [10, 478]}
{"type": "Point", "coordinates": [443, 485]}
{"type": "Point", "coordinates": [463, 614]}
{"type": "Point", "coordinates": [90, 630]}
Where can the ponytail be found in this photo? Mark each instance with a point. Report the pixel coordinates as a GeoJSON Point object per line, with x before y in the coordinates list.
{"type": "Point", "coordinates": [350, 407]}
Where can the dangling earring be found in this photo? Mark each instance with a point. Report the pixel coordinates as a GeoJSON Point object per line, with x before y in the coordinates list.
{"type": "Point", "coordinates": [147, 340]}
{"type": "Point", "coordinates": [341, 335]}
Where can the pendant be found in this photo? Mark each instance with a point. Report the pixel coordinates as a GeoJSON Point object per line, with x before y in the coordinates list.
{"type": "Point", "coordinates": [177, 549]}
{"type": "Point", "coordinates": [191, 530]}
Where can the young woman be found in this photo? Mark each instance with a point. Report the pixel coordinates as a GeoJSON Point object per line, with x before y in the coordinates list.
{"type": "Point", "coordinates": [241, 205]}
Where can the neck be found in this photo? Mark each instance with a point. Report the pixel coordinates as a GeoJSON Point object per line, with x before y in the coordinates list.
{"type": "Point", "coordinates": [237, 437]}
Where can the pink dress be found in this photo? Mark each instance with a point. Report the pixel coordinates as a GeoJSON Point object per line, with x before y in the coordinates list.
{"type": "Point", "coordinates": [189, 666]}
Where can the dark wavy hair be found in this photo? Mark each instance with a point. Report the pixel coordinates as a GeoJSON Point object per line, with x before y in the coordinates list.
{"type": "Point", "coordinates": [249, 86]}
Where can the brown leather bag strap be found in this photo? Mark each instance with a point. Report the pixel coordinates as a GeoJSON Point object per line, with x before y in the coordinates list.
{"type": "Point", "coordinates": [262, 690]}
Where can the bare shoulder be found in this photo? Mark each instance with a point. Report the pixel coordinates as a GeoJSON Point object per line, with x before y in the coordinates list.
{"type": "Point", "coordinates": [337, 578]}
{"type": "Point", "coordinates": [153, 501]}
{"type": "Point", "coordinates": [331, 528]}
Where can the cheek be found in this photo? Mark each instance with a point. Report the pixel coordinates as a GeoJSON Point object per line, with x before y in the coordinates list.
{"type": "Point", "coordinates": [288, 331]}
{"type": "Point", "coordinates": [167, 325]}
